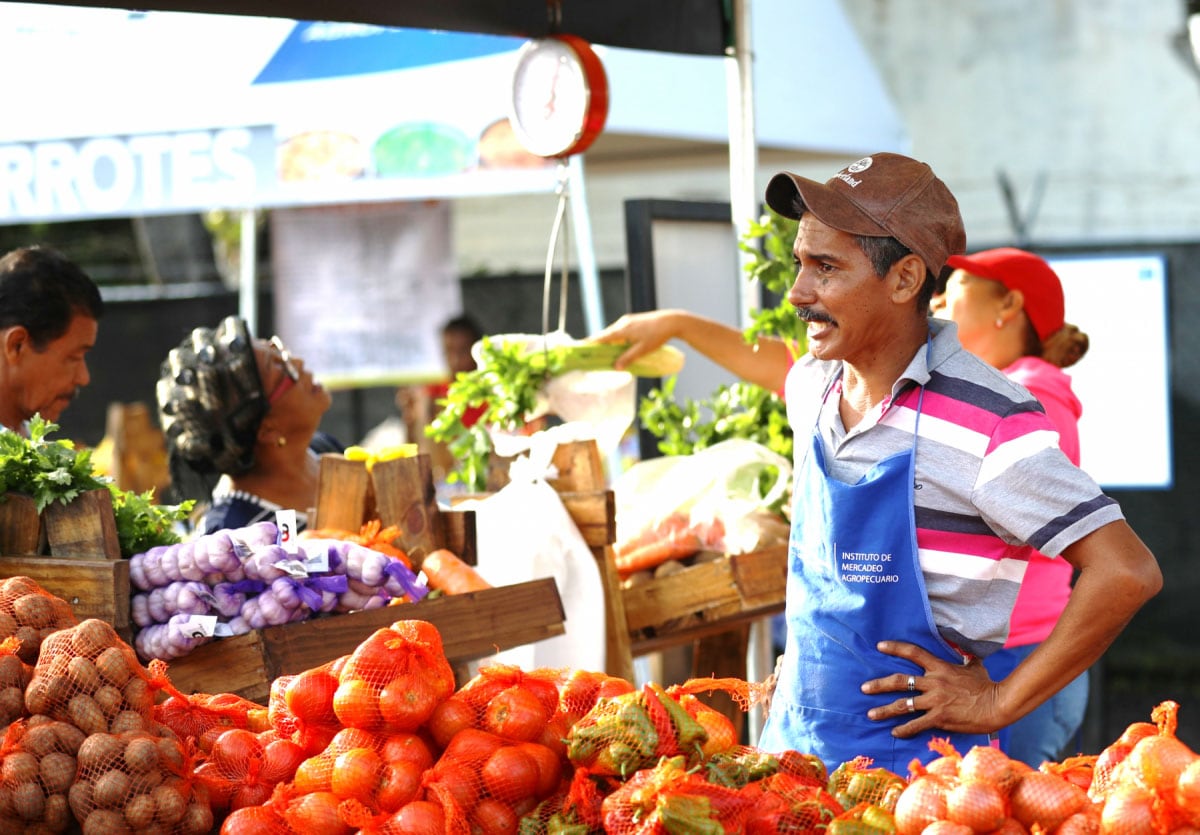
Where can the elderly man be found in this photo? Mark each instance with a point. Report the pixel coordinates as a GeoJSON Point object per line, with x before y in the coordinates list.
{"type": "Point", "coordinates": [925, 480]}
{"type": "Point", "coordinates": [49, 316]}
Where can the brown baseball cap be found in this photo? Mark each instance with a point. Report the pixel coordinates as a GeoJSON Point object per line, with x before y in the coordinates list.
{"type": "Point", "coordinates": [883, 195]}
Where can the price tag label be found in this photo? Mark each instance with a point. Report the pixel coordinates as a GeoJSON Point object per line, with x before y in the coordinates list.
{"type": "Point", "coordinates": [316, 558]}
{"type": "Point", "coordinates": [200, 626]}
{"type": "Point", "coordinates": [222, 630]}
{"type": "Point", "coordinates": [293, 568]}
{"type": "Point", "coordinates": [285, 521]}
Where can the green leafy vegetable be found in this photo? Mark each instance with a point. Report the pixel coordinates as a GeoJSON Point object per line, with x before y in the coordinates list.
{"type": "Point", "coordinates": [142, 524]}
{"type": "Point", "coordinates": [47, 471]}
{"type": "Point", "coordinates": [506, 384]}
{"type": "Point", "coordinates": [51, 471]}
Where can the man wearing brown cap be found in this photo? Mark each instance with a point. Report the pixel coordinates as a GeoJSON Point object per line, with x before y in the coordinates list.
{"type": "Point", "coordinates": [924, 480]}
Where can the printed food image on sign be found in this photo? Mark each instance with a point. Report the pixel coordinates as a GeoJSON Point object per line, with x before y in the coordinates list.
{"type": "Point", "coordinates": [423, 149]}
{"type": "Point", "coordinates": [500, 148]}
{"type": "Point", "coordinates": [321, 155]}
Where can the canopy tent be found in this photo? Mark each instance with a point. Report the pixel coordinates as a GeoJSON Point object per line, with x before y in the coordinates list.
{"type": "Point", "coordinates": [158, 112]}
{"type": "Point", "coordinates": [697, 47]}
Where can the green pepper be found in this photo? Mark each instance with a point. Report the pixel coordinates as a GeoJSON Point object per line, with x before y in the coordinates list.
{"type": "Point", "coordinates": [688, 731]}
{"type": "Point", "coordinates": [682, 814]}
{"type": "Point", "coordinates": [853, 827]}
{"type": "Point", "coordinates": [560, 825]}
{"type": "Point", "coordinates": [879, 818]}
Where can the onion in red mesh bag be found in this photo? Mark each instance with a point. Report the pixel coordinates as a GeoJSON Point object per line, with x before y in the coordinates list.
{"type": "Point", "coordinates": [29, 612]}
{"type": "Point", "coordinates": [394, 679]}
{"type": "Point", "coordinates": [203, 716]}
{"type": "Point", "coordinates": [138, 782]}
{"type": "Point", "coordinates": [38, 770]}
{"type": "Point", "coordinates": [301, 707]}
{"type": "Point", "coordinates": [88, 676]}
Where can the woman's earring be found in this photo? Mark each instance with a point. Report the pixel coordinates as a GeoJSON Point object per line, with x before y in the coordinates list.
{"type": "Point", "coordinates": [281, 441]}
{"type": "Point", "coordinates": [999, 323]}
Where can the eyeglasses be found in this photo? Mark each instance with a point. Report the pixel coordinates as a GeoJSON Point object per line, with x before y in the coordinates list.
{"type": "Point", "coordinates": [291, 374]}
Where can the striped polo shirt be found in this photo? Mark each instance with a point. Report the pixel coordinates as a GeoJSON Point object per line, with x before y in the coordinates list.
{"type": "Point", "coordinates": [991, 486]}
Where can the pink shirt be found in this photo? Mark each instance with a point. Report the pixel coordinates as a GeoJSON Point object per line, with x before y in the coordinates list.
{"type": "Point", "coordinates": [1047, 584]}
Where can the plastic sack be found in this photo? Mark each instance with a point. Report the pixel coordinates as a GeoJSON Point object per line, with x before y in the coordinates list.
{"type": "Point", "coordinates": [524, 533]}
{"type": "Point", "coordinates": [719, 483]}
{"type": "Point", "coordinates": [601, 405]}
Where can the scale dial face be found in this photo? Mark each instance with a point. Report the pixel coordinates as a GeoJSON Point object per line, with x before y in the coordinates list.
{"type": "Point", "coordinates": [559, 96]}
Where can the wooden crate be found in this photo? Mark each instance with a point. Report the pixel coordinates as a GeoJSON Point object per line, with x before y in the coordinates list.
{"type": "Point", "coordinates": [705, 599]}
{"type": "Point", "coordinates": [86, 528]}
{"type": "Point", "coordinates": [472, 626]}
{"type": "Point", "coordinates": [94, 588]}
{"type": "Point", "coordinates": [398, 492]}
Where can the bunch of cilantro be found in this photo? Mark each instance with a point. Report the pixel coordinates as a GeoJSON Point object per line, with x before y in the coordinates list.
{"type": "Point", "coordinates": [51, 471]}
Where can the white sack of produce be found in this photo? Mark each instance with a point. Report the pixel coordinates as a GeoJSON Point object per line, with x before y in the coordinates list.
{"type": "Point", "coordinates": [592, 394]}
{"type": "Point", "coordinates": [524, 533]}
{"type": "Point", "coordinates": [719, 491]}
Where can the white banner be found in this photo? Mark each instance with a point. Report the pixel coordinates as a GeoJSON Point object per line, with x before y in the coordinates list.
{"type": "Point", "coordinates": [362, 291]}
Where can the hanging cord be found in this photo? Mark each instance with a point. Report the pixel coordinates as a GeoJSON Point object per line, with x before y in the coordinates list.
{"type": "Point", "coordinates": [560, 225]}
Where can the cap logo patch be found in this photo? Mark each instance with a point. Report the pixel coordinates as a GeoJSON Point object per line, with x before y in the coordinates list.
{"type": "Point", "coordinates": [854, 168]}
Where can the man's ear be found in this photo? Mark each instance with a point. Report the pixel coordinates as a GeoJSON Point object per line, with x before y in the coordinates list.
{"type": "Point", "coordinates": [909, 276]}
{"type": "Point", "coordinates": [13, 341]}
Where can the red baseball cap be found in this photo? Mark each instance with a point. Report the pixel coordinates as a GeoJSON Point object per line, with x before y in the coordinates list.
{"type": "Point", "coordinates": [1017, 269]}
{"type": "Point", "coordinates": [883, 195]}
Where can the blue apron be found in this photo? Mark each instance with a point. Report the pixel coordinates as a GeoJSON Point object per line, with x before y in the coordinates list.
{"type": "Point", "coordinates": [854, 579]}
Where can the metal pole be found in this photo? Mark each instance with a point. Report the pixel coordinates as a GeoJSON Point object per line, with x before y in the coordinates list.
{"type": "Point", "coordinates": [589, 276]}
{"type": "Point", "coordinates": [247, 270]}
{"type": "Point", "coordinates": [743, 144]}
{"type": "Point", "coordinates": [743, 205]}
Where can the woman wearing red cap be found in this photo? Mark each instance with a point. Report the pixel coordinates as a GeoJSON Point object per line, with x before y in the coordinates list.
{"type": "Point", "coordinates": [1008, 304]}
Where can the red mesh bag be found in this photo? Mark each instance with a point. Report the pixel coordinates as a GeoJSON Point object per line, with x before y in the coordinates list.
{"type": "Point", "coordinates": [242, 768]}
{"type": "Point", "coordinates": [394, 679]}
{"type": "Point", "coordinates": [30, 613]}
{"type": "Point", "coordinates": [14, 678]}
{"type": "Point", "coordinates": [634, 730]}
{"type": "Point", "coordinates": [579, 690]}
{"type": "Point", "coordinates": [138, 782]}
{"type": "Point", "coordinates": [483, 782]}
{"type": "Point", "coordinates": [858, 781]}
{"type": "Point", "coordinates": [256, 820]}
{"type": "Point", "coordinates": [88, 676]}
{"type": "Point", "coordinates": [300, 707]}
{"type": "Point", "coordinates": [37, 771]}
{"type": "Point", "coordinates": [784, 802]}
{"type": "Point", "coordinates": [671, 798]}
{"type": "Point", "coordinates": [203, 717]}
{"type": "Point", "coordinates": [577, 808]}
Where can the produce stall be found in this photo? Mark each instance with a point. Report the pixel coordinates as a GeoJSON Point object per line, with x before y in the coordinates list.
{"type": "Point", "coordinates": [71, 550]}
{"type": "Point", "coordinates": [383, 740]}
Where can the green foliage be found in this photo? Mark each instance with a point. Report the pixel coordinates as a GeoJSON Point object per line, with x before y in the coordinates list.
{"type": "Point", "coordinates": [505, 384]}
{"type": "Point", "coordinates": [508, 379]}
{"type": "Point", "coordinates": [142, 524]}
{"type": "Point", "coordinates": [47, 471]}
{"type": "Point", "coordinates": [51, 471]}
{"type": "Point", "coordinates": [741, 410]}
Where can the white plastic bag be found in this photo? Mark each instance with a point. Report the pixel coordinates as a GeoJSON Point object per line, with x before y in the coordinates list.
{"type": "Point", "coordinates": [718, 484]}
{"type": "Point", "coordinates": [524, 533]}
{"type": "Point", "coordinates": [602, 403]}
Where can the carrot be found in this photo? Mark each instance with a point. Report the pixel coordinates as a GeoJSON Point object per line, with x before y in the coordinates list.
{"type": "Point", "coordinates": [668, 527]}
{"type": "Point", "coordinates": [445, 572]}
{"type": "Point", "coordinates": [656, 553]}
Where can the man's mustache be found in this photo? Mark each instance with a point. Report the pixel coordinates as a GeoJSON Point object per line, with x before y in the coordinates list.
{"type": "Point", "coordinates": [810, 315]}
